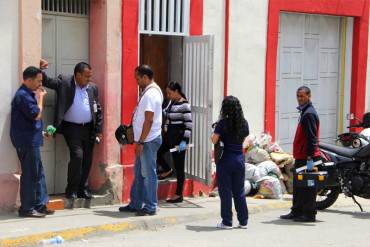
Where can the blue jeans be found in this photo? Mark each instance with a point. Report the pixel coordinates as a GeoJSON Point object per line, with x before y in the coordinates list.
{"type": "Point", "coordinates": [144, 188]}
{"type": "Point", "coordinates": [33, 191]}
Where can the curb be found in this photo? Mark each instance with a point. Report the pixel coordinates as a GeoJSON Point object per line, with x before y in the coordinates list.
{"type": "Point", "coordinates": [120, 227]}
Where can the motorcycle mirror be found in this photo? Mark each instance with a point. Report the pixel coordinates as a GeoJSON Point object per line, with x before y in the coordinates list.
{"type": "Point", "coordinates": [351, 116]}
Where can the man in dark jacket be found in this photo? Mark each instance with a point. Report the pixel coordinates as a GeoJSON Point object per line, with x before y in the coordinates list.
{"type": "Point", "coordinates": [306, 153]}
{"type": "Point", "coordinates": [78, 116]}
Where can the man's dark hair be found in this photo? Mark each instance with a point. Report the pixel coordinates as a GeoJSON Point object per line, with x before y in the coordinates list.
{"type": "Point", "coordinates": [305, 89]}
{"type": "Point", "coordinates": [145, 70]}
{"type": "Point", "coordinates": [31, 72]}
{"type": "Point", "coordinates": [80, 67]}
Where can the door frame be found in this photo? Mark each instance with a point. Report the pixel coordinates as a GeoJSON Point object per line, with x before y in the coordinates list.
{"type": "Point", "coordinates": [359, 9]}
{"type": "Point", "coordinates": [59, 145]}
{"type": "Point", "coordinates": [130, 60]}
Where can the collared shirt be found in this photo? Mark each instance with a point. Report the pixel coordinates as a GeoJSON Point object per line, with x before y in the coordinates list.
{"type": "Point", "coordinates": [24, 129]}
{"type": "Point", "coordinates": [80, 111]}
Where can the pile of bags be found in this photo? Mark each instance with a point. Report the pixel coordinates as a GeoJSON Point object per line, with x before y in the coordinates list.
{"type": "Point", "coordinates": [268, 169]}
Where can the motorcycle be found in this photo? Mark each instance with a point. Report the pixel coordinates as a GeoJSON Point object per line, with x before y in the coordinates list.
{"type": "Point", "coordinates": [353, 139]}
{"type": "Point", "coordinates": [348, 172]}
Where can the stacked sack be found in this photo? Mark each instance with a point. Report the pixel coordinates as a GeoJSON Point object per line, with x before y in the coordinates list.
{"type": "Point", "coordinates": [267, 169]}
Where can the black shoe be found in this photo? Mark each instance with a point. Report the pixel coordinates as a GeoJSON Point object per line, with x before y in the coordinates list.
{"type": "Point", "coordinates": [145, 212]}
{"type": "Point", "coordinates": [289, 216]}
{"type": "Point", "coordinates": [305, 219]}
{"type": "Point", "coordinates": [163, 177]}
{"type": "Point", "coordinates": [46, 211]}
{"type": "Point", "coordinates": [177, 200]}
{"type": "Point", "coordinates": [85, 194]}
{"type": "Point", "coordinates": [33, 214]}
{"type": "Point", "coordinates": [72, 195]}
{"type": "Point", "coordinates": [127, 209]}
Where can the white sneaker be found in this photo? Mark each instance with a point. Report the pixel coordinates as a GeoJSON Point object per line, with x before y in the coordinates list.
{"type": "Point", "coordinates": [222, 226]}
{"type": "Point", "coordinates": [242, 226]}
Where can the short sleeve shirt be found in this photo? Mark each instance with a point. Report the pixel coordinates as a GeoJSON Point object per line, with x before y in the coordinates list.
{"type": "Point", "coordinates": [230, 141]}
{"type": "Point", "coordinates": [151, 101]}
{"type": "Point", "coordinates": [25, 130]}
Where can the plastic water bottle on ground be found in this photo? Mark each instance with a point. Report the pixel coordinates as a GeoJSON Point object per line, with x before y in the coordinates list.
{"type": "Point", "coordinates": [52, 241]}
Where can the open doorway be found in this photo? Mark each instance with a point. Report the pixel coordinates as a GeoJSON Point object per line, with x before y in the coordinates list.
{"type": "Point", "coordinates": [189, 61]}
{"type": "Point", "coordinates": [164, 55]}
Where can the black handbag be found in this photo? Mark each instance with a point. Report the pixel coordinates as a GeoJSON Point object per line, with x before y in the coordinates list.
{"type": "Point", "coordinates": [218, 151]}
{"type": "Point", "coordinates": [125, 133]}
{"type": "Point", "coordinates": [218, 147]}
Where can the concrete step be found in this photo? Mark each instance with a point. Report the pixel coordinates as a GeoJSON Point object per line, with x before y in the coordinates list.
{"type": "Point", "coordinates": [59, 202]}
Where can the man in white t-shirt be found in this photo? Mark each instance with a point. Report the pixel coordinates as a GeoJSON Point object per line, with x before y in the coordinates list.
{"type": "Point", "coordinates": [147, 122]}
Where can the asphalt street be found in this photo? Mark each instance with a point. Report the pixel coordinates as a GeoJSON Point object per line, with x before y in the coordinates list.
{"type": "Point", "coordinates": [338, 227]}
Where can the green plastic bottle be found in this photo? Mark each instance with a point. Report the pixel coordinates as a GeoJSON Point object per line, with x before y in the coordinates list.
{"type": "Point", "coordinates": [51, 130]}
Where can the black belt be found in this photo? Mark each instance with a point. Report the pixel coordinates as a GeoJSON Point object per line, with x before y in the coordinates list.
{"type": "Point", "coordinates": [79, 124]}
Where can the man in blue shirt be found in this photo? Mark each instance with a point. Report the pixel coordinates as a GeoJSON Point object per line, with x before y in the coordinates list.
{"type": "Point", "coordinates": [26, 135]}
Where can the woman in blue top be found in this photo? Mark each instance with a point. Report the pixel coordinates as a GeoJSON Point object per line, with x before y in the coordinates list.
{"type": "Point", "coordinates": [232, 129]}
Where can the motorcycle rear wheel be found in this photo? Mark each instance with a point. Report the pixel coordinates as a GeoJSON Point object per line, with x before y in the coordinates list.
{"type": "Point", "coordinates": [326, 198]}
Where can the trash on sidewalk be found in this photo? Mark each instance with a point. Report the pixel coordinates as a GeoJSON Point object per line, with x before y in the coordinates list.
{"type": "Point", "coordinates": [266, 161]}
{"type": "Point", "coordinates": [52, 241]}
{"type": "Point", "coordinates": [269, 187]}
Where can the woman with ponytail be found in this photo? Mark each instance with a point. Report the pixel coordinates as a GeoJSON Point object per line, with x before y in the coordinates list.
{"type": "Point", "coordinates": [177, 131]}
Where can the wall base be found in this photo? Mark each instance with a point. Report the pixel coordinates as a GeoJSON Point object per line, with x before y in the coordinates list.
{"type": "Point", "coordinates": [9, 192]}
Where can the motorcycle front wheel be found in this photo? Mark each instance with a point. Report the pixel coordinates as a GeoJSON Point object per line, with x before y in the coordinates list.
{"type": "Point", "coordinates": [326, 198]}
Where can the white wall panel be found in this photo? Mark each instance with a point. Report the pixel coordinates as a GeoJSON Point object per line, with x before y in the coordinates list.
{"type": "Point", "coordinates": [9, 40]}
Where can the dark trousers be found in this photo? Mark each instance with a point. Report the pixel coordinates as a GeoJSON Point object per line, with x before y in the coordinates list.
{"type": "Point", "coordinates": [304, 198]}
{"type": "Point", "coordinates": [33, 191]}
{"type": "Point", "coordinates": [179, 163]}
{"type": "Point", "coordinates": [230, 179]}
{"type": "Point", "coordinates": [81, 145]}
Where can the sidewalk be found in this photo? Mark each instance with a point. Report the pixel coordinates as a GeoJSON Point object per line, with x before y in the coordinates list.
{"type": "Point", "coordinates": [82, 223]}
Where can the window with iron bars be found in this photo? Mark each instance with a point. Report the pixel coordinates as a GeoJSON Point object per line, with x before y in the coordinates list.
{"type": "Point", "coordinates": [166, 17]}
{"type": "Point", "coordinates": [70, 7]}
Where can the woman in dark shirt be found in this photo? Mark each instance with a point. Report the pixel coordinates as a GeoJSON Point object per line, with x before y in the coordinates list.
{"type": "Point", "coordinates": [232, 129]}
{"type": "Point", "coordinates": [176, 133]}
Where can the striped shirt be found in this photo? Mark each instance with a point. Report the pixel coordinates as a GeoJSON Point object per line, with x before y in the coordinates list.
{"type": "Point", "coordinates": [179, 114]}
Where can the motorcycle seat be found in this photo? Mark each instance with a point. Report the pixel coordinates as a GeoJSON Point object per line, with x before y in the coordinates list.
{"type": "Point", "coordinates": [342, 151]}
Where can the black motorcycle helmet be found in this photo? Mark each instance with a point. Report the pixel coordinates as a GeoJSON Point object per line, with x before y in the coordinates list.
{"type": "Point", "coordinates": [121, 135]}
{"type": "Point", "coordinates": [366, 120]}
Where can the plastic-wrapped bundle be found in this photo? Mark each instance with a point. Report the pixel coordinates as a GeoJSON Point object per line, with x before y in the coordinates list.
{"type": "Point", "coordinates": [269, 187]}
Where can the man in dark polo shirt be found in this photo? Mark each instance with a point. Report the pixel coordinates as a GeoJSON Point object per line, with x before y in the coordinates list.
{"type": "Point", "coordinates": [26, 135]}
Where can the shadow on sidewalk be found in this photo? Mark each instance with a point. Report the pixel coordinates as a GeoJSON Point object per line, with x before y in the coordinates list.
{"type": "Point", "coordinates": [9, 216]}
{"type": "Point", "coordinates": [357, 215]}
{"type": "Point", "coordinates": [184, 204]}
{"type": "Point", "coordinates": [202, 228]}
{"type": "Point", "coordinates": [114, 214]}
{"type": "Point", "coordinates": [280, 222]}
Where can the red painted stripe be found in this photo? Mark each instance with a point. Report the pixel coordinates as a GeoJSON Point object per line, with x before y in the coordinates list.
{"type": "Point", "coordinates": [327, 7]}
{"type": "Point", "coordinates": [355, 8]}
{"type": "Point", "coordinates": [130, 49]}
{"type": "Point", "coordinates": [359, 63]}
{"type": "Point", "coordinates": [196, 17]}
{"type": "Point", "coordinates": [227, 25]}
{"type": "Point", "coordinates": [271, 60]}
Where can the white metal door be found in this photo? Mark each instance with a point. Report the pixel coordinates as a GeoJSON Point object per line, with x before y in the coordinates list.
{"type": "Point", "coordinates": [65, 42]}
{"type": "Point", "coordinates": [198, 81]}
{"type": "Point", "coordinates": [308, 54]}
